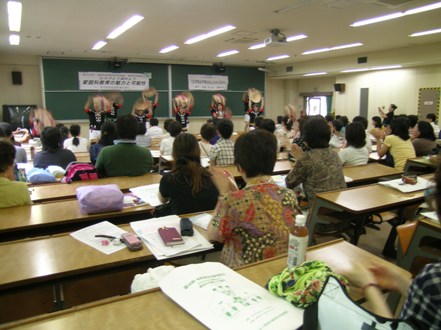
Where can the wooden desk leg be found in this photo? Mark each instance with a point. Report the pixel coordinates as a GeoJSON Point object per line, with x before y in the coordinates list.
{"type": "Point", "coordinates": [58, 296]}
{"type": "Point", "coordinates": [389, 247]}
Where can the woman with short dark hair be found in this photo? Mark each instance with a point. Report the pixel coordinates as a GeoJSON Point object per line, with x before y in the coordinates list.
{"type": "Point", "coordinates": [188, 187]}
{"type": "Point", "coordinates": [423, 138]}
{"type": "Point", "coordinates": [252, 223]}
{"type": "Point", "coordinates": [355, 152]}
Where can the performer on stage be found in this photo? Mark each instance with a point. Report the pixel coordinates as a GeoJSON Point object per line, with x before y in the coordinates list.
{"type": "Point", "coordinates": [100, 105]}
{"type": "Point", "coordinates": [218, 107]}
{"type": "Point", "coordinates": [38, 119]}
{"type": "Point", "coordinates": [182, 106]}
{"type": "Point", "coordinates": [253, 104]}
{"type": "Point", "coordinates": [116, 101]}
{"type": "Point", "coordinates": [151, 97]}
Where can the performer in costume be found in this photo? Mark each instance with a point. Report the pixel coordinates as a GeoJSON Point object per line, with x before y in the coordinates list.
{"type": "Point", "coordinates": [147, 96]}
{"type": "Point", "coordinates": [218, 106]}
{"type": "Point", "coordinates": [253, 103]}
{"type": "Point", "coordinates": [182, 106]}
{"type": "Point", "coordinates": [116, 101]}
{"type": "Point", "coordinates": [100, 105]}
{"type": "Point", "coordinates": [38, 119]}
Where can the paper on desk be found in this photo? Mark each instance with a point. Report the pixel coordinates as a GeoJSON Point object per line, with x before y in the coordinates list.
{"type": "Point", "coordinates": [205, 161]}
{"type": "Point", "coordinates": [348, 179]}
{"type": "Point", "coordinates": [431, 215]}
{"type": "Point", "coordinates": [87, 236]}
{"type": "Point", "coordinates": [148, 231]}
{"type": "Point", "coordinates": [220, 298]}
{"type": "Point", "coordinates": [155, 153]}
{"type": "Point", "coordinates": [279, 180]}
{"type": "Point", "coordinates": [148, 193]}
{"type": "Point", "coordinates": [201, 220]}
{"type": "Point", "coordinates": [406, 188]}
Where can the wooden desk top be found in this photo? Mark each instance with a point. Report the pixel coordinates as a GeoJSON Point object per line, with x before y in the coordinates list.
{"type": "Point", "coordinates": [156, 310]}
{"type": "Point", "coordinates": [57, 191]}
{"type": "Point", "coordinates": [370, 198]}
{"type": "Point", "coordinates": [422, 161]}
{"type": "Point", "coordinates": [369, 172]}
{"type": "Point", "coordinates": [28, 218]}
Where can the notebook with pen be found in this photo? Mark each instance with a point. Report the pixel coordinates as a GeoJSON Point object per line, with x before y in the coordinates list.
{"type": "Point", "coordinates": [170, 236]}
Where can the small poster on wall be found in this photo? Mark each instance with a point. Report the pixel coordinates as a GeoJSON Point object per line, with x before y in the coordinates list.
{"type": "Point", "coordinates": [114, 81]}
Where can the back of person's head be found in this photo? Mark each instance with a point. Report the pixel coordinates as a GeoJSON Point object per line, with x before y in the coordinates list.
{"type": "Point", "coordinates": [75, 130]}
{"type": "Point", "coordinates": [377, 121]}
{"type": "Point", "coordinates": [108, 133]}
{"type": "Point", "coordinates": [127, 127]}
{"type": "Point", "coordinates": [187, 167]}
{"type": "Point", "coordinates": [64, 134]}
{"type": "Point", "coordinates": [6, 129]}
{"type": "Point", "coordinates": [225, 128]}
{"type": "Point", "coordinates": [258, 122]}
{"type": "Point", "coordinates": [329, 118]}
{"type": "Point", "coordinates": [362, 120]}
{"type": "Point", "coordinates": [302, 120]}
{"type": "Point", "coordinates": [338, 124]}
{"type": "Point", "coordinates": [141, 129]}
{"type": "Point", "coordinates": [50, 138]}
{"type": "Point", "coordinates": [167, 123]}
{"type": "Point", "coordinates": [256, 152]}
{"type": "Point", "coordinates": [400, 127]}
{"type": "Point", "coordinates": [154, 121]}
{"type": "Point", "coordinates": [316, 133]}
{"type": "Point", "coordinates": [279, 119]}
{"type": "Point", "coordinates": [174, 128]}
{"type": "Point", "coordinates": [431, 116]}
{"type": "Point", "coordinates": [356, 135]}
{"type": "Point", "coordinates": [426, 130]}
{"type": "Point", "coordinates": [287, 122]}
{"type": "Point", "coordinates": [345, 120]}
{"type": "Point", "coordinates": [7, 155]}
{"type": "Point", "coordinates": [208, 132]}
{"type": "Point", "coordinates": [413, 120]}
{"type": "Point", "coordinates": [59, 125]}
{"type": "Point", "coordinates": [268, 124]}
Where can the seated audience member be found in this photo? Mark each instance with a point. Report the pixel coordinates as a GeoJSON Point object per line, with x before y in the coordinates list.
{"type": "Point", "coordinates": [213, 122]}
{"type": "Point", "coordinates": [284, 133]}
{"type": "Point", "coordinates": [268, 124]}
{"type": "Point", "coordinates": [364, 122]}
{"type": "Point", "coordinates": [355, 152]}
{"type": "Point", "coordinates": [52, 153]}
{"type": "Point", "coordinates": [300, 139]}
{"type": "Point", "coordinates": [108, 135]}
{"type": "Point", "coordinates": [188, 187]}
{"type": "Point", "coordinates": [141, 139]}
{"type": "Point", "coordinates": [279, 120]}
{"type": "Point", "coordinates": [413, 120]}
{"type": "Point", "coordinates": [318, 169]}
{"type": "Point", "coordinates": [125, 157]}
{"type": "Point", "coordinates": [337, 138]}
{"type": "Point", "coordinates": [76, 143]}
{"type": "Point", "coordinates": [20, 153]}
{"type": "Point", "coordinates": [345, 121]}
{"type": "Point", "coordinates": [397, 143]}
{"type": "Point", "coordinates": [423, 138]}
{"type": "Point", "coordinates": [257, 123]}
{"type": "Point", "coordinates": [222, 153]}
{"type": "Point", "coordinates": [64, 134]}
{"type": "Point", "coordinates": [252, 223]}
{"type": "Point", "coordinates": [423, 294]}
{"type": "Point", "coordinates": [431, 118]}
{"type": "Point", "coordinates": [166, 124]}
{"type": "Point", "coordinates": [208, 132]}
{"type": "Point", "coordinates": [166, 146]}
{"type": "Point", "coordinates": [12, 193]}
{"type": "Point", "coordinates": [154, 130]}
{"type": "Point", "coordinates": [377, 128]}
{"type": "Point", "coordinates": [376, 122]}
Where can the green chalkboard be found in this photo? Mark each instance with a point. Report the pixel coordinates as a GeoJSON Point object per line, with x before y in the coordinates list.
{"type": "Point", "coordinates": [65, 100]}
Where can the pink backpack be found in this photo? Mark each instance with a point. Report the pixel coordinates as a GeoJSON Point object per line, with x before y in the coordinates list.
{"type": "Point", "coordinates": [78, 171]}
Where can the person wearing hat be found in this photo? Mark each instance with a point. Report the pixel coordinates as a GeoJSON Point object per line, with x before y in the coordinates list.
{"type": "Point", "coordinates": [100, 105]}
{"type": "Point", "coordinates": [253, 103]}
{"type": "Point", "coordinates": [217, 107]}
{"type": "Point", "coordinates": [182, 105]}
{"type": "Point", "coordinates": [116, 102]}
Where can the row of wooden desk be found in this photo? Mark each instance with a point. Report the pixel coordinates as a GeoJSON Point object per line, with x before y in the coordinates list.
{"type": "Point", "coordinates": [154, 309]}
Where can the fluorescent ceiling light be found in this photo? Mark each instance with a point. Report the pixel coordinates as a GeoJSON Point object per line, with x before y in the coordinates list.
{"type": "Point", "coordinates": [423, 8]}
{"type": "Point", "coordinates": [125, 26]}
{"type": "Point", "coordinates": [100, 44]}
{"type": "Point", "coordinates": [418, 34]}
{"type": "Point", "coordinates": [357, 44]}
{"type": "Point", "coordinates": [257, 46]}
{"type": "Point", "coordinates": [387, 67]}
{"type": "Point", "coordinates": [14, 39]}
{"type": "Point", "coordinates": [209, 34]}
{"type": "Point", "coordinates": [274, 58]}
{"type": "Point", "coordinates": [314, 74]}
{"type": "Point", "coordinates": [297, 37]}
{"type": "Point", "coordinates": [230, 52]}
{"type": "Point", "coordinates": [168, 49]}
{"type": "Point", "coordinates": [377, 19]}
{"type": "Point", "coordinates": [321, 50]}
{"type": "Point", "coordinates": [355, 70]}
{"type": "Point", "coordinates": [14, 15]}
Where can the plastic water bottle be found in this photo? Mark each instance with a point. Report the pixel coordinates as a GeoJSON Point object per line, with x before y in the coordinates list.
{"type": "Point", "coordinates": [298, 242]}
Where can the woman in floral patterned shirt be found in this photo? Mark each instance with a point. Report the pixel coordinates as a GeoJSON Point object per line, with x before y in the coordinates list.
{"type": "Point", "coordinates": [253, 223]}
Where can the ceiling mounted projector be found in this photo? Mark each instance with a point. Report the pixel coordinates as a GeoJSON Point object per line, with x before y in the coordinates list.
{"type": "Point", "coordinates": [277, 38]}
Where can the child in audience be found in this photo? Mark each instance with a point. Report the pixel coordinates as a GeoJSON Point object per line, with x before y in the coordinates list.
{"type": "Point", "coordinates": [284, 133]}
{"type": "Point", "coordinates": [222, 153]}
{"type": "Point", "coordinates": [12, 193]}
{"type": "Point", "coordinates": [76, 143]}
{"type": "Point", "coordinates": [354, 152]}
{"type": "Point", "coordinates": [188, 187]}
{"type": "Point", "coordinates": [208, 132]}
{"type": "Point", "coordinates": [108, 135]}
{"type": "Point", "coordinates": [166, 146]}
{"type": "Point", "coordinates": [252, 223]}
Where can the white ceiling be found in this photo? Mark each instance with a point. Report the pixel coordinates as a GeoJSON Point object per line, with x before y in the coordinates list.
{"type": "Point", "coordinates": [69, 28]}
